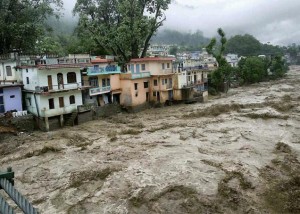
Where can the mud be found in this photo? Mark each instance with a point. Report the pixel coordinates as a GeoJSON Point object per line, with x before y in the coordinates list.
{"type": "Point", "coordinates": [238, 153]}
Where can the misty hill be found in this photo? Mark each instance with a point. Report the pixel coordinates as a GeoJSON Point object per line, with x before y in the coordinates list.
{"type": "Point", "coordinates": [180, 38]}
{"type": "Point", "coordinates": [63, 25]}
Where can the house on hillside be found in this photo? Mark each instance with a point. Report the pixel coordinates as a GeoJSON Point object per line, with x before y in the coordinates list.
{"type": "Point", "coordinates": [10, 84]}
{"type": "Point", "coordinates": [53, 89]}
{"type": "Point", "coordinates": [232, 59]}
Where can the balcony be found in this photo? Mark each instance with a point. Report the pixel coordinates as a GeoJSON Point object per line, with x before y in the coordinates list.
{"type": "Point", "coordinates": [132, 76]}
{"type": "Point", "coordinates": [60, 88]}
{"type": "Point", "coordinates": [140, 75]}
{"type": "Point", "coordinates": [110, 69]}
{"type": "Point", "coordinates": [99, 90]}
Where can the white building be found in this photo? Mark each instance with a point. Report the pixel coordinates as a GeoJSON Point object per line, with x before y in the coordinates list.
{"type": "Point", "coordinates": [232, 59]}
{"type": "Point", "coordinates": [53, 91]}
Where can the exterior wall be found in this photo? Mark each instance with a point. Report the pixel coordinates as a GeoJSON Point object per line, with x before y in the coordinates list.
{"type": "Point", "coordinates": [43, 103]}
{"type": "Point", "coordinates": [16, 75]}
{"type": "Point", "coordinates": [132, 97]}
{"type": "Point", "coordinates": [115, 82]}
{"type": "Point", "coordinates": [155, 67]}
{"type": "Point", "coordinates": [177, 94]}
{"type": "Point", "coordinates": [12, 98]}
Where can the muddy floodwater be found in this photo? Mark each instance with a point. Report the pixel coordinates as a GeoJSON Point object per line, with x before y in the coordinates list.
{"type": "Point", "coordinates": [235, 154]}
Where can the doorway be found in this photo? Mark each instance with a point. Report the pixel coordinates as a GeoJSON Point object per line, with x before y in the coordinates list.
{"type": "Point", "coordinates": [50, 86]}
{"type": "Point", "coordinates": [60, 81]}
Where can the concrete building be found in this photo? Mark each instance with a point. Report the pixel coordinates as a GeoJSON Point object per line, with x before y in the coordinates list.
{"type": "Point", "coordinates": [147, 80]}
{"type": "Point", "coordinates": [53, 89]}
{"type": "Point", "coordinates": [158, 50]}
{"type": "Point", "coordinates": [191, 82]}
{"type": "Point", "coordinates": [232, 59]}
{"type": "Point", "coordinates": [104, 79]}
{"type": "Point", "coordinates": [10, 84]}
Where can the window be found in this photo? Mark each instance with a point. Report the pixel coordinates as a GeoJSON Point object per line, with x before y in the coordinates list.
{"type": "Point", "coordinates": [27, 80]}
{"type": "Point", "coordinates": [1, 90]}
{"type": "Point", "coordinates": [166, 81]}
{"type": "Point", "coordinates": [71, 77]}
{"type": "Point", "coordinates": [154, 94]}
{"type": "Point", "coordinates": [163, 81]}
{"type": "Point", "coordinates": [163, 66]}
{"type": "Point", "coordinates": [143, 67]}
{"type": "Point", "coordinates": [94, 81]}
{"type": "Point", "coordinates": [61, 102]}
{"type": "Point", "coordinates": [168, 65]}
{"type": "Point", "coordinates": [51, 103]}
{"type": "Point", "coordinates": [12, 96]}
{"type": "Point", "coordinates": [26, 70]}
{"type": "Point", "coordinates": [108, 82]}
{"type": "Point", "coordinates": [135, 86]}
{"type": "Point", "coordinates": [103, 82]}
{"type": "Point", "coordinates": [155, 82]}
{"type": "Point", "coordinates": [8, 71]}
{"type": "Point", "coordinates": [146, 85]}
{"type": "Point", "coordinates": [72, 99]}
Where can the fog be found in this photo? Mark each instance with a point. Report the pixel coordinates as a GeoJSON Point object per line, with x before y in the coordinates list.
{"type": "Point", "coordinates": [274, 21]}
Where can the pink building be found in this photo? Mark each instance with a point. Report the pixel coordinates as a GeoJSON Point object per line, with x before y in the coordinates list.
{"type": "Point", "coordinates": [147, 80]}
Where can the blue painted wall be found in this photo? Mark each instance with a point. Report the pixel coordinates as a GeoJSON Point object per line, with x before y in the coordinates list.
{"type": "Point", "coordinates": [12, 98]}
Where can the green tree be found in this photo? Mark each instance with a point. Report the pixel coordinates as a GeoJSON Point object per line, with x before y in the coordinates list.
{"type": "Point", "coordinates": [173, 50]}
{"type": "Point", "coordinates": [243, 45]}
{"type": "Point", "coordinates": [223, 73]}
{"type": "Point", "coordinates": [252, 70]}
{"type": "Point", "coordinates": [278, 67]}
{"type": "Point", "coordinates": [22, 23]}
{"type": "Point", "coordinates": [122, 27]}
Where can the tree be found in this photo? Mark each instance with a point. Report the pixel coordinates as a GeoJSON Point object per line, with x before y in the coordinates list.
{"type": "Point", "coordinates": [278, 67]}
{"type": "Point", "coordinates": [252, 70]}
{"type": "Point", "coordinates": [22, 23]}
{"type": "Point", "coordinates": [243, 45]}
{"type": "Point", "coordinates": [222, 74]}
{"type": "Point", "coordinates": [122, 27]}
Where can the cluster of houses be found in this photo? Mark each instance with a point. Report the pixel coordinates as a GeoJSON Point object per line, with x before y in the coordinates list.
{"type": "Point", "coordinates": [62, 89]}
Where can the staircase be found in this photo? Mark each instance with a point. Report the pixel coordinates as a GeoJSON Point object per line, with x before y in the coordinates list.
{"type": "Point", "coordinates": [70, 121]}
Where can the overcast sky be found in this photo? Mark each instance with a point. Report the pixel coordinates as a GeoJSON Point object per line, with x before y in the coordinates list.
{"type": "Point", "coordinates": [275, 21]}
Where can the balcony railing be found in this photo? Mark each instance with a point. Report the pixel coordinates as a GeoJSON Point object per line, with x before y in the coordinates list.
{"type": "Point", "coordinates": [140, 75]}
{"type": "Point", "coordinates": [110, 69]}
{"type": "Point", "coordinates": [60, 87]}
{"type": "Point", "coordinates": [169, 86]}
{"type": "Point", "coordinates": [100, 90]}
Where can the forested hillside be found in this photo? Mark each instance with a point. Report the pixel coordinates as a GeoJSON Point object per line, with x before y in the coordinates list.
{"type": "Point", "coordinates": [191, 41]}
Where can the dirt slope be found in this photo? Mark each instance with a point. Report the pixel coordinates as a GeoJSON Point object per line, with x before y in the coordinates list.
{"type": "Point", "coordinates": [236, 154]}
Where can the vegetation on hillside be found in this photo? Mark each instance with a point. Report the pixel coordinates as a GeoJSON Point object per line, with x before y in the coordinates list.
{"type": "Point", "coordinates": [22, 23]}
{"type": "Point", "coordinates": [185, 41]}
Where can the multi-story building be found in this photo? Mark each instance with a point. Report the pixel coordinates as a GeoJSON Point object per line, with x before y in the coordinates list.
{"type": "Point", "coordinates": [104, 78]}
{"type": "Point", "coordinates": [53, 89]}
{"type": "Point", "coordinates": [191, 82]}
{"type": "Point", "coordinates": [147, 80]}
{"type": "Point", "coordinates": [158, 50]}
{"type": "Point", "coordinates": [10, 84]}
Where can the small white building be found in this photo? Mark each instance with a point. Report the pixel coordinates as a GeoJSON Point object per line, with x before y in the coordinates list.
{"type": "Point", "coordinates": [232, 59]}
{"type": "Point", "coordinates": [53, 91]}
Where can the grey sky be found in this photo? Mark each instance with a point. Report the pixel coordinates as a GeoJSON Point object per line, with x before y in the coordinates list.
{"type": "Point", "coordinates": [275, 21]}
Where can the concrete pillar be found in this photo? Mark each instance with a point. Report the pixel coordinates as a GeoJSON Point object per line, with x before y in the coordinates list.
{"type": "Point", "coordinates": [47, 124]}
{"type": "Point", "coordinates": [61, 120]}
